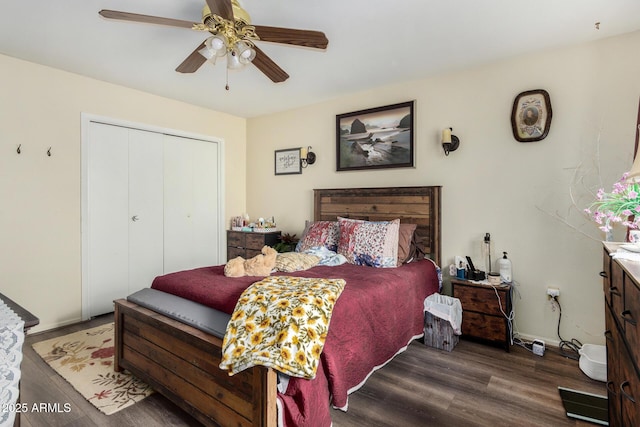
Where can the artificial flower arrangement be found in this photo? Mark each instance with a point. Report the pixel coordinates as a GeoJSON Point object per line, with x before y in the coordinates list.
{"type": "Point", "coordinates": [622, 205]}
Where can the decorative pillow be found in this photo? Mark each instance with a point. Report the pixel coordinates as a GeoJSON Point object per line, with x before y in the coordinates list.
{"type": "Point", "coordinates": [405, 237]}
{"type": "Point", "coordinates": [369, 243]}
{"type": "Point", "coordinates": [319, 233]}
{"type": "Point", "coordinates": [295, 261]}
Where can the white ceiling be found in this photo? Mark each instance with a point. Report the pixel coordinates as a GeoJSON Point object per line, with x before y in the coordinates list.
{"type": "Point", "coordinates": [371, 43]}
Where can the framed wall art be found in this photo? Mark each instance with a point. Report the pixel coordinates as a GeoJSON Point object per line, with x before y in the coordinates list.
{"type": "Point", "coordinates": [531, 115]}
{"type": "Point", "coordinates": [287, 162]}
{"type": "Point", "coordinates": [375, 138]}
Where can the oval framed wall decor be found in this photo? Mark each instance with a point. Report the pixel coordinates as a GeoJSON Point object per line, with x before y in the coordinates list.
{"type": "Point", "coordinates": [531, 115]}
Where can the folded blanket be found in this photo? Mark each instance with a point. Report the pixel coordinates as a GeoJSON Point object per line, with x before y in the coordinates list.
{"type": "Point", "coordinates": [289, 262]}
{"type": "Point", "coordinates": [281, 322]}
{"type": "Point", "coordinates": [327, 257]}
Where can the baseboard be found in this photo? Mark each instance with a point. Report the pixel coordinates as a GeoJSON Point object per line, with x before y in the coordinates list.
{"type": "Point", "coordinates": [547, 341]}
{"type": "Point", "coordinates": [42, 328]}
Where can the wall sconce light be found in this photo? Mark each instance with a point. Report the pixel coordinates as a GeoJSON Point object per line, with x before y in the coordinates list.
{"type": "Point", "coordinates": [449, 142]}
{"type": "Point", "coordinates": [307, 157]}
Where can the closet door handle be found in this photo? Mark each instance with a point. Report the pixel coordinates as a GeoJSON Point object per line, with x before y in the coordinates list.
{"type": "Point", "coordinates": [603, 274]}
{"type": "Point", "coordinates": [134, 218]}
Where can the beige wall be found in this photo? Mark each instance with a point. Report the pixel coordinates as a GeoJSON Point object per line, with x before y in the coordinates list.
{"type": "Point", "coordinates": [519, 192]}
{"type": "Point", "coordinates": [40, 240]}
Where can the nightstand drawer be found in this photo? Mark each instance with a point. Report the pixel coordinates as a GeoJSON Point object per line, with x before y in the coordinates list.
{"type": "Point", "coordinates": [236, 239]}
{"type": "Point", "coordinates": [233, 252]}
{"type": "Point", "coordinates": [255, 241]}
{"type": "Point", "coordinates": [490, 328]}
{"type": "Point", "coordinates": [483, 300]}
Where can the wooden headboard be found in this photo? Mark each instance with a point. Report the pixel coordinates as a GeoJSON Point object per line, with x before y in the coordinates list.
{"type": "Point", "coordinates": [413, 205]}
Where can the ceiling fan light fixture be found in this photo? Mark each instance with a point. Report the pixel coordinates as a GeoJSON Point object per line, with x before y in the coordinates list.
{"type": "Point", "coordinates": [218, 44]}
{"type": "Point", "coordinates": [209, 54]}
{"type": "Point", "coordinates": [233, 60]}
{"type": "Point", "coordinates": [244, 52]}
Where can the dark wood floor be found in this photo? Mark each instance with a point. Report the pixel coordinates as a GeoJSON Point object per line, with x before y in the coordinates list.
{"type": "Point", "coordinates": [474, 385]}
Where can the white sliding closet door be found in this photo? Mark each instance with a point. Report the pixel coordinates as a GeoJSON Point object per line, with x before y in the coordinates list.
{"type": "Point", "coordinates": [151, 204]}
{"type": "Point", "coordinates": [190, 203]}
{"type": "Point", "coordinates": [125, 213]}
{"type": "Point", "coordinates": [145, 208]}
{"type": "Point", "coordinates": [107, 221]}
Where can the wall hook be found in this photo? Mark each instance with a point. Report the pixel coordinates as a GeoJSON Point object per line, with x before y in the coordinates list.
{"type": "Point", "coordinates": [49, 152]}
{"type": "Point", "coordinates": [18, 150]}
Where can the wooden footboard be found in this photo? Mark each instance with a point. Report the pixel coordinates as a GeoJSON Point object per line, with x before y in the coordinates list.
{"type": "Point", "coordinates": [181, 363]}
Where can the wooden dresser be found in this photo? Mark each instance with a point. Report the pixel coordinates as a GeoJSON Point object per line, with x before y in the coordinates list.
{"type": "Point", "coordinates": [248, 244]}
{"type": "Point", "coordinates": [484, 311]}
{"type": "Point", "coordinates": [621, 282]}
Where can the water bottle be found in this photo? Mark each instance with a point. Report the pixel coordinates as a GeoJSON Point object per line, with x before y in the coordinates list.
{"type": "Point", "coordinates": [504, 265]}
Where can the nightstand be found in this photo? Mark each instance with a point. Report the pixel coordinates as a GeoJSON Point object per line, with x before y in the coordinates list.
{"type": "Point", "coordinates": [484, 311]}
{"type": "Point", "coordinates": [248, 244]}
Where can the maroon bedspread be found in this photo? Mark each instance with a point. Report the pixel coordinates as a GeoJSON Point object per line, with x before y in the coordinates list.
{"type": "Point", "coordinates": [378, 313]}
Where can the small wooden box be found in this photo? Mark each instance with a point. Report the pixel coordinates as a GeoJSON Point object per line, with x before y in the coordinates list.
{"type": "Point", "coordinates": [438, 333]}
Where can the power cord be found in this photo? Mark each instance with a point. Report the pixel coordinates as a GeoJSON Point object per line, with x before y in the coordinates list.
{"type": "Point", "coordinates": [509, 316]}
{"type": "Point", "coordinates": [515, 337]}
{"type": "Point", "coordinates": [570, 349]}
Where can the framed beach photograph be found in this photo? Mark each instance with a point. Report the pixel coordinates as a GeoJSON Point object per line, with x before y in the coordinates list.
{"type": "Point", "coordinates": [375, 138]}
{"type": "Point", "coordinates": [531, 115]}
{"type": "Point", "coordinates": [287, 162]}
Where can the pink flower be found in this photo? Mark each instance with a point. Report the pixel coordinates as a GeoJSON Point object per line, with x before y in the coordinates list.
{"type": "Point", "coordinates": [618, 206]}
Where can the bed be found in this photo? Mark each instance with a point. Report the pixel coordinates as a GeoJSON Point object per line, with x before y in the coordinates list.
{"type": "Point", "coordinates": [181, 361]}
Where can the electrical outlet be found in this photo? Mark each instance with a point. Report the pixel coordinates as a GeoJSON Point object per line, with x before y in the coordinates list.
{"type": "Point", "coordinates": [553, 292]}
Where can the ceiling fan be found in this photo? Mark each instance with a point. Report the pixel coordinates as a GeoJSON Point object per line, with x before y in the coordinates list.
{"type": "Point", "coordinates": [232, 36]}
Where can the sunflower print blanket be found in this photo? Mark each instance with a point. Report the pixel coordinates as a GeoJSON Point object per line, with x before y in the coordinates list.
{"type": "Point", "coordinates": [281, 322]}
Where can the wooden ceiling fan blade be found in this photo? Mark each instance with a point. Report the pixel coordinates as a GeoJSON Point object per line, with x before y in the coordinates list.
{"type": "Point", "coordinates": [307, 38]}
{"type": "Point", "coordinates": [221, 8]}
{"type": "Point", "coordinates": [147, 19]}
{"type": "Point", "coordinates": [192, 62]}
{"type": "Point", "coordinates": [268, 67]}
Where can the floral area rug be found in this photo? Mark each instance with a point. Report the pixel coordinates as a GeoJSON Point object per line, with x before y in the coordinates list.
{"type": "Point", "coordinates": [85, 360]}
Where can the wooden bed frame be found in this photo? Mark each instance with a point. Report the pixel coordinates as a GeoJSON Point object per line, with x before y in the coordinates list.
{"type": "Point", "coordinates": [181, 362]}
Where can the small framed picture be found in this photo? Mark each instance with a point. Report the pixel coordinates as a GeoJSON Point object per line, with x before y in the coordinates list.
{"type": "Point", "coordinates": [287, 162]}
{"type": "Point", "coordinates": [531, 115]}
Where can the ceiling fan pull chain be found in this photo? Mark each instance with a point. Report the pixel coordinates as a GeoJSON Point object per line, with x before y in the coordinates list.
{"type": "Point", "coordinates": [227, 85]}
